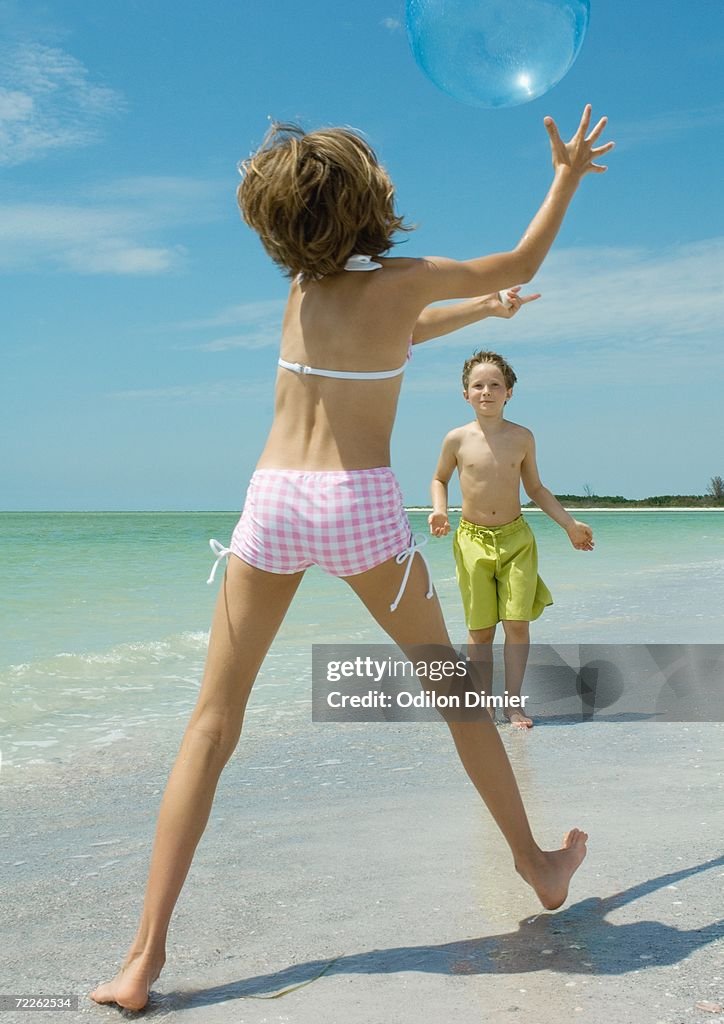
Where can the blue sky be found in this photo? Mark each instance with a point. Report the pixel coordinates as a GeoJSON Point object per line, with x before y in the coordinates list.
{"type": "Point", "coordinates": [139, 317]}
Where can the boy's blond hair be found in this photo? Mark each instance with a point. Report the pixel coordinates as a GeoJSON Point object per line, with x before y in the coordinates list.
{"type": "Point", "coordinates": [489, 357]}
{"type": "Point", "coordinates": [315, 198]}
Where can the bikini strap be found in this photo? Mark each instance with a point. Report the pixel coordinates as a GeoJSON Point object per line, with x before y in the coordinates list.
{"type": "Point", "coordinates": [358, 262]}
{"type": "Point", "coordinates": [301, 368]}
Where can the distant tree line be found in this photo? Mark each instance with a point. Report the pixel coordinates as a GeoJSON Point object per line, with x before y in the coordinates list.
{"type": "Point", "coordinates": [713, 498]}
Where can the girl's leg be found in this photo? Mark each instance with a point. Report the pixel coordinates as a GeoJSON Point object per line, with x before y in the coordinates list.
{"type": "Point", "coordinates": [418, 621]}
{"type": "Point", "coordinates": [249, 610]}
{"type": "Point", "coordinates": [480, 654]}
{"type": "Point", "coordinates": [517, 646]}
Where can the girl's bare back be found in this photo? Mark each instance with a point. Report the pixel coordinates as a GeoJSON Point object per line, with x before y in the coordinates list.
{"type": "Point", "coordinates": [356, 322]}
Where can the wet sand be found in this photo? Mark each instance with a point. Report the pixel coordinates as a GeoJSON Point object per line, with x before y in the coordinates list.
{"type": "Point", "coordinates": [357, 862]}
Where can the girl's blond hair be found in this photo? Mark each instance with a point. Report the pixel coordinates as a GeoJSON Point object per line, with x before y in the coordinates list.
{"type": "Point", "coordinates": [315, 198]}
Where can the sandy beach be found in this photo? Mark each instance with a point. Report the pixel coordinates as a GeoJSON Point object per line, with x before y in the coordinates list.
{"type": "Point", "coordinates": [357, 863]}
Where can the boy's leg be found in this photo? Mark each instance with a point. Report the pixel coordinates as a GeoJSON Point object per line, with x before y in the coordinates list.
{"type": "Point", "coordinates": [517, 647]}
{"type": "Point", "coordinates": [480, 654]}
{"type": "Point", "coordinates": [418, 621]}
{"type": "Point", "coordinates": [522, 596]}
{"type": "Point", "coordinates": [475, 563]}
{"type": "Point", "coordinates": [249, 610]}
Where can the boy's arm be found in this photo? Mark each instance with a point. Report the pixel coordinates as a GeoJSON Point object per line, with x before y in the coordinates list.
{"type": "Point", "coordinates": [441, 278]}
{"type": "Point", "coordinates": [438, 520]}
{"type": "Point", "coordinates": [579, 534]}
{"type": "Point", "coordinates": [434, 321]}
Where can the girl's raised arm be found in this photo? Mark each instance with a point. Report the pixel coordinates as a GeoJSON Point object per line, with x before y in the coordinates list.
{"type": "Point", "coordinates": [434, 321]}
{"type": "Point", "coordinates": [442, 278]}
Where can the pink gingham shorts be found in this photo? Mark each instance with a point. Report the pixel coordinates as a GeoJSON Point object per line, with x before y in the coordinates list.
{"type": "Point", "coordinates": [345, 521]}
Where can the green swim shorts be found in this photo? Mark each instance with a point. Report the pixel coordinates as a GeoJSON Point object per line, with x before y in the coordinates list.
{"type": "Point", "coordinates": [497, 571]}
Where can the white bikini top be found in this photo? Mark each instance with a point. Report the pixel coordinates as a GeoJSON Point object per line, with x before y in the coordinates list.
{"type": "Point", "coordinates": [363, 263]}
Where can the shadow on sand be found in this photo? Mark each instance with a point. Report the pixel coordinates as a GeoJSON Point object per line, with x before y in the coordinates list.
{"type": "Point", "coordinates": [578, 940]}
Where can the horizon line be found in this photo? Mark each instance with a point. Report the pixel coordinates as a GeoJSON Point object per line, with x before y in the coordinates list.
{"type": "Point", "coordinates": [408, 508]}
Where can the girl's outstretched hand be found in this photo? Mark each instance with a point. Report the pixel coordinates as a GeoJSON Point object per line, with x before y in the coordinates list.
{"type": "Point", "coordinates": [507, 303]}
{"type": "Point", "coordinates": [579, 154]}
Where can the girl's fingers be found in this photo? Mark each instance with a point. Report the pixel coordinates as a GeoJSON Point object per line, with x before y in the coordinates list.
{"type": "Point", "coordinates": [602, 149]}
{"type": "Point", "coordinates": [585, 121]}
{"type": "Point", "coordinates": [552, 129]}
{"type": "Point", "coordinates": [529, 298]}
{"type": "Point", "coordinates": [597, 130]}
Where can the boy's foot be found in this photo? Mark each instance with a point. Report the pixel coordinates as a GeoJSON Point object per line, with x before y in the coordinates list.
{"type": "Point", "coordinates": [518, 719]}
{"type": "Point", "coordinates": [131, 985]}
{"type": "Point", "coordinates": [552, 870]}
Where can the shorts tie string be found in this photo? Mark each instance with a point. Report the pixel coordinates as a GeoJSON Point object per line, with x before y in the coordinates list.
{"type": "Point", "coordinates": [221, 552]}
{"type": "Point", "coordinates": [417, 541]}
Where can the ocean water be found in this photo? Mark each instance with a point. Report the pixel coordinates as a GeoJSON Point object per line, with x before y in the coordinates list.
{"type": "Point", "coordinates": [105, 615]}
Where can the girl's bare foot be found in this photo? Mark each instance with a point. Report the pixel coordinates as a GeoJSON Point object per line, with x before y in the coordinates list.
{"type": "Point", "coordinates": [131, 985]}
{"type": "Point", "coordinates": [518, 719]}
{"type": "Point", "coordinates": [551, 871]}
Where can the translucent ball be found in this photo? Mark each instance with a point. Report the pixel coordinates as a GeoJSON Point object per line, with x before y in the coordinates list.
{"type": "Point", "coordinates": [496, 53]}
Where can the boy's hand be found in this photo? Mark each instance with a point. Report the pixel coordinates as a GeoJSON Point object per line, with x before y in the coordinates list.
{"type": "Point", "coordinates": [506, 304]}
{"type": "Point", "coordinates": [578, 154]}
{"type": "Point", "coordinates": [581, 536]}
{"type": "Point", "coordinates": [439, 524]}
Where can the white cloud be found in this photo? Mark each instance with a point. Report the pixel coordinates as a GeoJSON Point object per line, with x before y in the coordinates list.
{"type": "Point", "coordinates": [164, 197]}
{"type": "Point", "coordinates": [655, 309]}
{"type": "Point", "coordinates": [257, 325]}
{"type": "Point", "coordinates": [110, 231]}
{"type": "Point", "coordinates": [393, 24]}
{"type": "Point", "coordinates": [47, 102]}
{"type": "Point", "coordinates": [664, 126]}
{"type": "Point", "coordinates": [14, 106]}
{"type": "Point", "coordinates": [644, 296]}
{"type": "Point", "coordinates": [201, 394]}
{"type": "Point", "coordinates": [123, 258]}
{"type": "Point", "coordinates": [264, 336]}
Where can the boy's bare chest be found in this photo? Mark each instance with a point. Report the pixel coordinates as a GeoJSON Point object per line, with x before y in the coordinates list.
{"type": "Point", "coordinates": [479, 455]}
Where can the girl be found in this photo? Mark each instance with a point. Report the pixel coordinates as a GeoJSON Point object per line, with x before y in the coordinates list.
{"type": "Point", "coordinates": [323, 491]}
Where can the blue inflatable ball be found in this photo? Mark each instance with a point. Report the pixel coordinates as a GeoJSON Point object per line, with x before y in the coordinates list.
{"type": "Point", "coordinates": [496, 53]}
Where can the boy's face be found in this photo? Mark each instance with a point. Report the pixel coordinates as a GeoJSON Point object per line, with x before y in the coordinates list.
{"type": "Point", "coordinates": [487, 393]}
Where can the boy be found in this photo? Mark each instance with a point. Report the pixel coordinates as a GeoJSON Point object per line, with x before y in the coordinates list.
{"type": "Point", "coordinates": [495, 550]}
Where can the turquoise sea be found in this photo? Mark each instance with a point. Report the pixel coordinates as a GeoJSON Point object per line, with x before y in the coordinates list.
{"type": "Point", "coordinates": [105, 615]}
